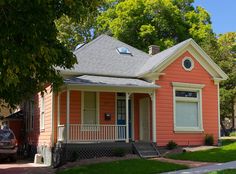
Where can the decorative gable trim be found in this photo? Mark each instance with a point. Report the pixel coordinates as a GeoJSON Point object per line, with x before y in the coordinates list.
{"type": "Point", "coordinates": [194, 49]}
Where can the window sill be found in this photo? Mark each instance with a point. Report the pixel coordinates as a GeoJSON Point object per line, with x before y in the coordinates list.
{"type": "Point", "coordinates": [188, 130]}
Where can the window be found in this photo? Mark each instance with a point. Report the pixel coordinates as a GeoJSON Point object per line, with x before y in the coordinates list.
{"type": "Point", "coordinates": [123, 50]}
{"type": "Point", "coordinates": [187, 63]}
{"type": "Point", "coordinates": [32, 113]}
{"type": "Point", "coordinates": [90, 108]}
{"type": "Point", "coordinates": [42, 113]}
{"type": "Point", "coordinates": [187, 107]}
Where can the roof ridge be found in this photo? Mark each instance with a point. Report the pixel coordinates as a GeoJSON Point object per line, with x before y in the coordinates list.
{"type": "Point", "coordinates": [129, 45]}
{"type": "Point", "coordinates": [185, 42]}
{"type": "Point", "coordinates": [105, 35]}
{"type": "Point", "coordinates": [89, 43]}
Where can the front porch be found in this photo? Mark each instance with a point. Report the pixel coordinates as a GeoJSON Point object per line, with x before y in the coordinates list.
{"type": "Point", "coordinates": [95, 113]}
{"type": "Point", "coordinates": [92, 133]}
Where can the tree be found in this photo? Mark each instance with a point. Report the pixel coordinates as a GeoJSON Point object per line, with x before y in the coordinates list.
{"type": "Point", "coordinates": [29, 49]}
{"type": "Point", "coordinates": [161, 22]}
{"type": "Point", "coordinates": [226, 59]}
{"type": "Point", "coordinates": [72, 32]}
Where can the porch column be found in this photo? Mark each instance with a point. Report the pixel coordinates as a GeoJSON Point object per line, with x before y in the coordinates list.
{"type": "Point", "coordinates": [127, 116]}
{"type": "Point", "coordinates": [67, 114]}
{"type": "Point", "coordinates": [154, 116]}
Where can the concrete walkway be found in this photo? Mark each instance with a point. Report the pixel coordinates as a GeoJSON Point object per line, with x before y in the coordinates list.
{"type": "Point", "coordinates": [205, 169]}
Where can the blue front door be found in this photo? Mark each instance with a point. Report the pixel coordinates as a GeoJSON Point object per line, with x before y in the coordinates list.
{"type": "Point", "coordinates": [121, 114]}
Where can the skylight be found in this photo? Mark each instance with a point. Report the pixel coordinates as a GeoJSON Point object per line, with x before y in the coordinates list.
{"type": "Point", "coordinates": [123, 50]}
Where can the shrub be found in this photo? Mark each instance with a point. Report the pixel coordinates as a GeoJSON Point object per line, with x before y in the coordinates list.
{"type": "Point", "coordinates": [209, 140]}
{"type": "Point", "coordinates": [119, 152]}
{"type": "Point", "coordinates": [171, 145]}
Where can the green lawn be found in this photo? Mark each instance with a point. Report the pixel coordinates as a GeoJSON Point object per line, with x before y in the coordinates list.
{"type": "Point", "coordinates": [229, 171]}
{"type": "Point", "coordinates": [223, 154]}
{"type": "Point", "coordinates": [134, 166]}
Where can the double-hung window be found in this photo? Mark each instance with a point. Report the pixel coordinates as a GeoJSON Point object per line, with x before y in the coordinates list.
{"type": "Point", "coordinates": [42, 114]}
{"type": "Point", "coordinates": [187, 107]}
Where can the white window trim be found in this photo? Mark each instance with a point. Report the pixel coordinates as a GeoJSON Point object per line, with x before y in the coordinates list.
{"type": "Point", "coordinates": [97, 110]}
{"type": "Point", "coordinates": [192, 62]}
{"type": "Point", "coordinates": [188, 87]}
{"type": "Point", "coordinates": [42, 113]}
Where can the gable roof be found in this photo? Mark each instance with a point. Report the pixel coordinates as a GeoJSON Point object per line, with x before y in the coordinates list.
{"type": "Point", "coordinates": [158, 58]}
{"type": "Point", "coordinates": [164, 58]}
{"type": "Point", "coordinates": [100, 57]}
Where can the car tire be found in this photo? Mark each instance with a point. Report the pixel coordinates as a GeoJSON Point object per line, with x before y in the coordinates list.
{"type": "Point", "coordinates": [13, 158]}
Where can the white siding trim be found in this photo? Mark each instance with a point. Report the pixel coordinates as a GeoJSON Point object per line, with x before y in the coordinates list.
{"type": "Point", "coordinates": [154, 136]}
{"type": "Point", "coordinates": [188, 85]}
{"type": "Point", "coordinates": [218, 102]}
{"type": "Point", "coordinates": [52, 118]}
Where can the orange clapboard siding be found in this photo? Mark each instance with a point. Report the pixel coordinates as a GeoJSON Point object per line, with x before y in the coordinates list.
{"type": "Point", "coordinates": [75, 107]}
{"type": "Point", "coordinates": [164, 103]}
{"type": "Point", "coordinates": [37, 136]}
{"type": "Point", "coordinates": [107, 105]}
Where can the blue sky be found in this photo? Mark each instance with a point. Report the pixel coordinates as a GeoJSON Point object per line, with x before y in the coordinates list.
{"type": "Point", "coordinates": [223, 14]}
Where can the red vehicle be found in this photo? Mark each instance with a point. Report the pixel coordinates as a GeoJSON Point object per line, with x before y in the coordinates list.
{"type": "Point", "coordinates": [8, 144]}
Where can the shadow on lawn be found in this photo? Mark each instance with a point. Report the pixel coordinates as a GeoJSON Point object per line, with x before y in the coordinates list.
{"type": "Point", "coordinates": [223, 154]}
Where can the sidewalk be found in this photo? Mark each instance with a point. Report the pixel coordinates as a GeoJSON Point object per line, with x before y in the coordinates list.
{"type": "Point", "coordinates": [204, 169]}
{"type": "Point", "coordinates": [190, 164]}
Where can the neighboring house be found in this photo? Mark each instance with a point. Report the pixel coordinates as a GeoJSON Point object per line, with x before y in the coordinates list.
{"type": "Point", "coordinates": [15, 122]}
{"type": "Point", "coordinates": [118, 93]}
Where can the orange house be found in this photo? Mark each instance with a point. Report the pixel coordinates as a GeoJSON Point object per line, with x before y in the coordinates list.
{"type": "Point", "coordinates": [117, 93]}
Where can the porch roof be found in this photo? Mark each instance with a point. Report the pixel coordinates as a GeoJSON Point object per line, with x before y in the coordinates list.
{"type": "Point", "coordinates": [89, 80]}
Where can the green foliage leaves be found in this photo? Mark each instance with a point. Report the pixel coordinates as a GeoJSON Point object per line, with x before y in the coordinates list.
{"type": "Point", "coordinates": [29, 49]}
{"type": "Point", "coordinates": [163, 22]}
{"type": "Point", "coordinates": [226, 60]}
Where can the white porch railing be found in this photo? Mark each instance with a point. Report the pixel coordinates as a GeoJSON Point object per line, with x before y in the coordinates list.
{"type": "Point", "coordinates": [92, 133]}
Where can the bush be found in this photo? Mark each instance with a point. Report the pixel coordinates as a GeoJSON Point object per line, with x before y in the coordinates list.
{"type": "Point", "coordinates": [171, 145]}
{"type": "Point", "coordinates": [119, 152]}
{"type": "Point", "coordinates": [209, 140]}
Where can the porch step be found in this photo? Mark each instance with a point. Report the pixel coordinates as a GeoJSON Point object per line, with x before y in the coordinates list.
{"type": "Point", "coordinates": [146, 149]}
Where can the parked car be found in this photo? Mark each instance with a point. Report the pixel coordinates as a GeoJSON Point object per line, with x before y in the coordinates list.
{"type": "Point", "coordinates": [8, 144]}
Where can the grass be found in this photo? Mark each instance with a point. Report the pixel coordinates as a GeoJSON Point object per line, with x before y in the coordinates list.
{"type": "Point", "coordinates": [134, 166]}
{"type": "Point", "coordinates": [228, 171]}
{"type": "Point", "coordinates": [225, 153]}
{"type": "Point", "coordinates": [232, 134]}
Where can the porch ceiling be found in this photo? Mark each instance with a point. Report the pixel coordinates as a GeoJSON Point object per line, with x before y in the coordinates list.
{"type": "Point", "coordinates": [104, 81]}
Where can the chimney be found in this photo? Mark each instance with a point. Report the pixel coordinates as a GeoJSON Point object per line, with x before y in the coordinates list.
{"type": "Point", "coordinates": [153, 49]}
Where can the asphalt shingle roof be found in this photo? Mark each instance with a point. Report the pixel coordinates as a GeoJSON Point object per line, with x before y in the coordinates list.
{"type": "Point", "coordinates": [109, 81]}
{"type": "Point", "coordinates": [157, 59]}
{"type": "Point", "coordinates": [100, 57]}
